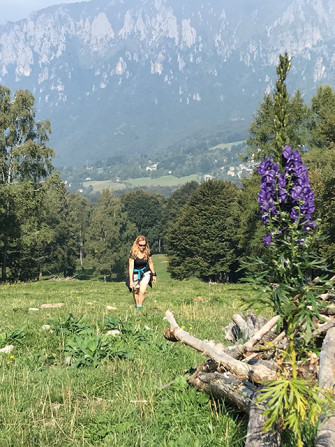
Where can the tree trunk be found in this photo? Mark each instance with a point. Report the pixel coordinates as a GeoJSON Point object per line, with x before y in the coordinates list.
{"type": "Point", "coordinates": [257, 372]}
{"type": "Point", "coordinates": [255, 435]}
{"type": "Point", "coordinates": [4, 263]}
{"type": "Point", "coordinates": [326, 433]}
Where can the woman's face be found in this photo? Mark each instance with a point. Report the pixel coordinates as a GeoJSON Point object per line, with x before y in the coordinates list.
{"type": "Point", "coordinates": [142, 245]}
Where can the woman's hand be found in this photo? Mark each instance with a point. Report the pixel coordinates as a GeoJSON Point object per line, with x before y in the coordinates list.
{"type": "Point", "coordinates": [131, 284]}
{"type": "Point", "coordinates": [154, 279]}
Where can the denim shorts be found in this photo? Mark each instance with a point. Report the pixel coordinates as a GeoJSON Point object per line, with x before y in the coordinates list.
{"type": "Point", "coordinates": [144, 280]}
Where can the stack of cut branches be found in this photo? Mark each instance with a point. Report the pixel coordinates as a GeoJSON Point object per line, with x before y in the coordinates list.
{"type": "Point", "coordinates": [236, 372]}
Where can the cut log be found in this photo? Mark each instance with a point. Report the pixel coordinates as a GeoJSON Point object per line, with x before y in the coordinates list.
{"type": "Point", "coordinates": [240, 393]}
{"type": "Point", "coordinates": [326, 433]}
{"type": "Point", "coordinates": [244, 327]}
{"type": "Point", "coordinates": [261, 333]}
{"type": "Point", "coordinates": [224, 386]}
{"type": "Point", "coordinates": [324, 328]}
{"type": "Point", "coordinates": [255, 373]}
{"type": "Point", "coordinates": [330, 310]}
{"type": "Point", "coordinates": [255, 434]}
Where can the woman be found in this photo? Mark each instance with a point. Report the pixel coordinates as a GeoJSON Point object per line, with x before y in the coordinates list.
{"type": "Point", "coordinates": [141, 270]}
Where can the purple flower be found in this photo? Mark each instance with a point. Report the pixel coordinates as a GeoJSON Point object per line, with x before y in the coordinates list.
{"type": "Point", "coordinates": [267, 240]}
{"type": "Point", "coordinates": [287, 152]}
{"type": "Point", "coordinates": [264, 166]}
{"type": "Point", "coordinates": [286, 189]}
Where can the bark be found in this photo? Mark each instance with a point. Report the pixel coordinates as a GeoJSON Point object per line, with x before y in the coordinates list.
{"type": "Point", "coordinates": [255, 434]}
{"type": "Point", "coordinates": [254, 373]}
{"type": "Point", "coordinates": [223, 386]}
{"type": "Point", "coordinates": [326, 433]}
{"type": "Point", "coordinates": [261, 333]}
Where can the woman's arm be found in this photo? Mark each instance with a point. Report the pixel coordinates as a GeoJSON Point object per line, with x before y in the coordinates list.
{"type": "Point", "coordinates": [152, 268]}
{"type": "Point", "coordinates": [131, 272]}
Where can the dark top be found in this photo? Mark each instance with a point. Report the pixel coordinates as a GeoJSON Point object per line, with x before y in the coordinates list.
{"type": "Point", "coordinates": [140, 263]}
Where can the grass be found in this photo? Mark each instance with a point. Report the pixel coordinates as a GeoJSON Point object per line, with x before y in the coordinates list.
{"type": "Point", "coordinates": [228, 146]}
{"type": "Point", "coordinates": [118, 398]}
{"type": "Point", "coordinates": [164, 180]}
{"type": "Point", "coordinates": [100, 185]}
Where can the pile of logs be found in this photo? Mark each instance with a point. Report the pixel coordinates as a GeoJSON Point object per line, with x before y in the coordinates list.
{"type": "Point", "coordinates": [235, 373]}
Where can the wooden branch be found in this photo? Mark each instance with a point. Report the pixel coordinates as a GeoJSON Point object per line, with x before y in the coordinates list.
{"type": "Point", "coordinates": [255, 373]}
{"type": "Point", "coordinates": [261, 333]}
{"type": "Point", "coordinates": [330, 310]}
{"type": "Point", "coordinates": [223, 385]}
{"type": "Point", "coordinates": [326, 433]}
{"type": "Point", "coordinates": [255, 434]}
{"type": "Point", "coordinates": [323, 328]}
{"type": "Point", "coordinates": [242, 324]}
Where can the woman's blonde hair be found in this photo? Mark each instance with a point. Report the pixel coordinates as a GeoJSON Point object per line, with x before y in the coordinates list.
{"type": "Point", "coordinates": [135, 248]}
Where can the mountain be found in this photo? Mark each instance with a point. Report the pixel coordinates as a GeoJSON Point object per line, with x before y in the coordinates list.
{"type": "Point", "coordinates": [118, 76]}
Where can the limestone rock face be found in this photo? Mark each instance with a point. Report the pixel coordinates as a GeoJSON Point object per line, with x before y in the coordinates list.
{"type": "Point", "coordinates": [160, 69]}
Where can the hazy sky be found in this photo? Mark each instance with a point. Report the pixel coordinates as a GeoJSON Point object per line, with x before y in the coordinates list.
{"type": "Point", "coordinates": [14, 10]}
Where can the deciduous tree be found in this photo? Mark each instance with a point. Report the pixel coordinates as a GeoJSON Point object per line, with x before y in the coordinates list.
{"type": "Point", "coordinates": [203, 241]}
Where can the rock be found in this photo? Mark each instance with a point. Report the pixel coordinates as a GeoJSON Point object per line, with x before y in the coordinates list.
{"type": "Point", "coordinates": [46, 327]}
{"type": "Point", "coordinates": [51, 305]}
{"type": "Point", "coordinates": [7, 349]}
{"type": "Point", "coordinates": [114, 332]}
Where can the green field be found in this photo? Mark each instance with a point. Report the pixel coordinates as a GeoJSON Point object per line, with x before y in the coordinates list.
{"type": "Point", "coordinates": [226, 145]}
{"type": "Point", "coordinates": [165, 180]}
{"type": "Point", "coordinates": [59, 388]}
{"type": "Point", "coordinates": [99, 185]}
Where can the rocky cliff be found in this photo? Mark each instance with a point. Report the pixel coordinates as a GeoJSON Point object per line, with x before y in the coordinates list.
{"type": "Point", "coordinates": [119, 75]}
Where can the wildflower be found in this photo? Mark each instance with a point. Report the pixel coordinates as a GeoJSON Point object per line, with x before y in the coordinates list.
{"type": "Point", "coordinates": [182, 326]}
{"type": "Point", "coordinates": [11, 357]}
{"type": "Point", "coordinates": [267, 239]}
{"type": "Point", "coordinates": [287, 191]}
{"type": "Point", "coordinates": [190, 328]}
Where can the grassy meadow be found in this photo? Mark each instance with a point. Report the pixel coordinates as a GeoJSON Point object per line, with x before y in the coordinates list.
{"type": "Point", "coordinates": [148, 182]}
{"type": "Point", "coordinates": [71, 384]}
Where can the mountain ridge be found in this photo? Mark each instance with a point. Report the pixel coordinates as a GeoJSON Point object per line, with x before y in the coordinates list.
{"type": "Point", "coordinates": [115, 77]}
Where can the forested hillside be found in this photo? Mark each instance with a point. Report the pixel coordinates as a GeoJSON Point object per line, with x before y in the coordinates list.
{"type": "Point", "coordinates": [207, 228]}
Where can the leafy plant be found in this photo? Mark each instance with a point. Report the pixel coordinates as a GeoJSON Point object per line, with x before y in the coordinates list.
{"type": "Point", "coordinates": [91, 350]}
{"type": "Point", "coordinates": [71, 325]}
{"type": "Point", "coordinates": [13, 337]}
{"type": "Point", "coordinates": [287, 205]}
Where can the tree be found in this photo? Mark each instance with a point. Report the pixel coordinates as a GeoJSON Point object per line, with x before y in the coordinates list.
{"type": "Point", "coordinates": [250, 231]}
{"type": "Point", "coordinates": [80, 209]}
{"type": "Point", "coordinates": [280, 119]}
{"type": "Point", "coordinates": [203, 241]}
{"type": "Point", "coordinates": [109, 238]}
{"type": "Point", "coordinates": [24, 159]}
{"type": "Point", "coordinates": [61, 250]}
{"type": "Point", "coordinates": [323, 124]}
{"type": "Point", "coordinates": [177, 200]}
{"type": "Point", "coordinates": [145, 211]}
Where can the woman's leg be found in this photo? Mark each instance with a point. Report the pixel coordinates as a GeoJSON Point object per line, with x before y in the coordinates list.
{"type": "Point", "coordinates": [136, 295]}
{"type": "Point", "coordinates": [141, 294]}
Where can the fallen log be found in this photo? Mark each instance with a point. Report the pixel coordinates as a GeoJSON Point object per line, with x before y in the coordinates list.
{"type": "Point", "coordinates": [255, 434]}
{"type": "Point", "coordinates": [257, 373]}
{"type": "Point", "coordinates": [326, 433]}
{"type": "Point", "coordinates": [261, 333]}
{"type": "Point", "coordinates": [223, 385]}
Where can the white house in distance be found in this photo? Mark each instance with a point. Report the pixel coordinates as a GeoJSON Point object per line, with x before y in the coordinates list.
{"type": "Point", "coordinates": [153, 167]}
{"type": "Point", "coordinates": [208, 177]}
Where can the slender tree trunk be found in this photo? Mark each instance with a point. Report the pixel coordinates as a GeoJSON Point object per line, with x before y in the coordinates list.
{"type": "Point", "coordinates": [4, 263]}
{"type": "Point", "coordinates": [81, 245]}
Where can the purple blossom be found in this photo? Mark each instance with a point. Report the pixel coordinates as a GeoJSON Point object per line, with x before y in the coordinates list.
{"type": "Point", "coordinates": [267, 239]}
{"type": "Point", "coordinates": [286, 189]}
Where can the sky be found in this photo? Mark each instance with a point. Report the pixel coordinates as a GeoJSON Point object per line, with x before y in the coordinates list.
{"type": "Point", "coordinates": [14, 10]}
